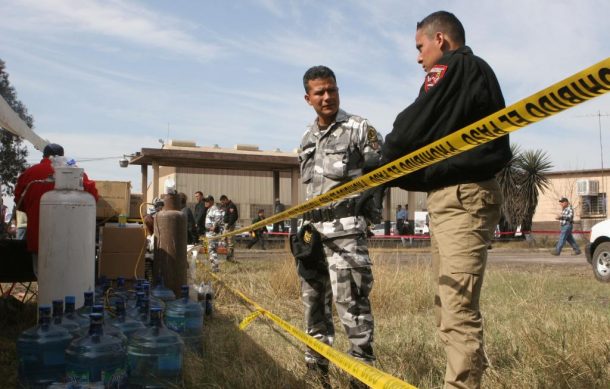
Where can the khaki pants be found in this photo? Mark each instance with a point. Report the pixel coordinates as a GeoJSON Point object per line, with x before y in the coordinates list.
{"type": "Point", "coordinates": [462, 221]}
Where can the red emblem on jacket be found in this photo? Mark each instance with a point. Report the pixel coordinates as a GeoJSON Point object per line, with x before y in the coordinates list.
{"type": "Point", "coordinates": [434, 75]}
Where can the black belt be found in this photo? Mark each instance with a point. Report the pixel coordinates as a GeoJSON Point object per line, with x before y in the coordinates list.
{"type": "Point", "coordinates": [330, 213]}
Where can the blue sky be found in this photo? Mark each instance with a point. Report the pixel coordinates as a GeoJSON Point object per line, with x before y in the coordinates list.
{"type": "Point", "coordinates": [106, 78]}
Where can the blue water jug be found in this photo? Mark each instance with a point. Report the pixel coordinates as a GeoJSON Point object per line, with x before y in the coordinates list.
{"type": "Point", "coordinates": [108, 329]}
{"type": "Point", "coordinates": [186, 318]}
{"type": "Point", "coordinates": [101, 289]}
{"type": "Point", "coordinates": [154, 354]}
{"type": "Point", "coordinates": [97, 358]}
{"type": "Point", "coordinates": [132, 295]}
{"type": "Point", "coordinates": [118, 293]}
{"type": "Point", "coordinates": [59, 319]}
{"type": "Point", "coordinates": [134, 310]}
{"type": "Point", "coordinates": [40, 351]}
{"type": "Point", "coordinates": [70, 312]}
{"type": "Point", "coordinates": [162, 293]}
{"type": "Point", "coordinates": [141, 311]}
{"type": "Point", "coordinates": [85, 310]}
{"type": "Point", "coordinates": [126, 325]}
{"type": "Point", "coordinates": [152, 300]}
{"type": "Point", "coordinates": [205, 296]}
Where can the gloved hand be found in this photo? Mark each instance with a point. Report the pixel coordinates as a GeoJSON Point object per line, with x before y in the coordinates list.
{"type": "Point", "coordinates": [370, 204]}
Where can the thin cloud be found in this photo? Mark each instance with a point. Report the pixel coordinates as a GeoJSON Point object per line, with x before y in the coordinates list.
{"type": "Point", "coordinates": [126, 22]}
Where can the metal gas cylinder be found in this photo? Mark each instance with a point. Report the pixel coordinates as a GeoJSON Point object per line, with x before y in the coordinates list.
{"type": "Point", "coordinates": [66, 254]}
{"type": "Point", "coordinates": [170, 248]}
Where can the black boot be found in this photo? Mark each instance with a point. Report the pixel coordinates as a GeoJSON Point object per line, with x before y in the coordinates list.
{"type": "Point", "coordinates": [318, 372]}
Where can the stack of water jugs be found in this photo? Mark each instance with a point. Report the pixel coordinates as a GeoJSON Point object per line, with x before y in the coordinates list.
{"type": "Point", "coordinates": [139, 343]}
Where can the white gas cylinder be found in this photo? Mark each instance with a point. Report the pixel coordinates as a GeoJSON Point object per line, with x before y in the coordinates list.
{"type": "Point", "coordinates": [66, 253]}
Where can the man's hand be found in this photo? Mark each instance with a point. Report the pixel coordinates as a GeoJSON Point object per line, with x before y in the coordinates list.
{"type": "Point", "coordinates": [370, 204]}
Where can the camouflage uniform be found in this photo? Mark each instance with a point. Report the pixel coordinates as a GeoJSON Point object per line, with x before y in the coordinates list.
{"type": "Point", "coordinates": [213, 221]}
{"type": "Point", "coordinates": [330, 158]}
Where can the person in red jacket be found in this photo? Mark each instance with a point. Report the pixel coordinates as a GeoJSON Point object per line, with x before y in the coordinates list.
{"type": "Point", "coordinates": [27, 197]}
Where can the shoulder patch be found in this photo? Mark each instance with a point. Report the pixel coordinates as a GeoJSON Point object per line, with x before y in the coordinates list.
{"type": "Point", "coordinates": [434, 75]}
{"type": "Point", "coordinates": [371, 137]}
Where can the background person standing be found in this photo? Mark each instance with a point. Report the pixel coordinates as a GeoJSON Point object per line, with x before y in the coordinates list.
{"type": "Point", "coordinates": [199, 214]}
{"type": "Point", "coordinates": [281, 225]}
{"type": "Point", "coordinates": [213, 224]}
{"type": "Point", "coordinates": [28, 197]}
{"type": "Point", "coordinates": [566, 223]}
{"type": "Point", "coordinates": [229, 219]}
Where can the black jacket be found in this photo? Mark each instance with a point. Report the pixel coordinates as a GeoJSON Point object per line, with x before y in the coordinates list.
{"type": "Point", "coordinates": [231, 215]}
{"type": "Point", "coordinates": [466, 91]}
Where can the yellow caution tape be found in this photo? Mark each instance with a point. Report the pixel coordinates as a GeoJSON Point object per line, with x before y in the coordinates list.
{"type": "Point", "coordinates": [249, 319]}
{"type": "Point", "coordinates": [370, 375]}
{"type": "Point", "coordinates": [582, 86]}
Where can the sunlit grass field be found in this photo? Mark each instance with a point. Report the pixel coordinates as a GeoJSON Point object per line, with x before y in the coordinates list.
{"type": "Point", "coordinates": [547, 326]}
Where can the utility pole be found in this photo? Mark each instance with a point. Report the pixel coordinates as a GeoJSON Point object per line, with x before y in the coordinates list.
{"type": "Point", "coordinates": [601, 151]}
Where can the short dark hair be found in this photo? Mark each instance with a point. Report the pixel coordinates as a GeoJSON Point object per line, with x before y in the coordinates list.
{"type": "Point", "coordinates": [209, 198]}
{"type": "Point", "coordinates": [317, 72]}
{"type": "Point", "coordinates": [200, 193]}
{"type": "Point", "coordinates": [446, 22]}
{"type": "Point", "coordinates": [223, 198]}
{"type": "Point", "coordinates": [183, 198]}
{"type": "Point", "coordinates": [52, 149]}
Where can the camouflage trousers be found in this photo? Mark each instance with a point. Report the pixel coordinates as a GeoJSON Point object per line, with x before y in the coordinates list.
{"type": "Point", "coordinates": [344, 276]}
{"type": "Point", "coordinates": [213, 250]}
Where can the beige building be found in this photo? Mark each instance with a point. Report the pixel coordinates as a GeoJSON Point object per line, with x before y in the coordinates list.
{"type": "Point", "coordinates": [585, 189]}
{"type": "Point", "coordinates": [250, 177]}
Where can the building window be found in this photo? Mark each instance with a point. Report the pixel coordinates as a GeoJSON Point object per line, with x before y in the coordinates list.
{"type": "Point", "coordinates": [593, 206]}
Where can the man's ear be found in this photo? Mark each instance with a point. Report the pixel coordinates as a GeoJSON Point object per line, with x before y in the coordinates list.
{"type": "Point", "coordinates": [307, 99]}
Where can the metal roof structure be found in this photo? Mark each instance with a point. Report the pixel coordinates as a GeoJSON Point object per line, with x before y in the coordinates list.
{"type": "Point", "coordinates": [242, 157]}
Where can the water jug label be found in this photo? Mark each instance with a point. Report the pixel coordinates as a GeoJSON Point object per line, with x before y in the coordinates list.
{"type": "Point", "coordinates": [175, 323]}
{"type": "Point", "coordinates": [169, 362]}
{"type": "Point", "coordinates": [77, 376]}
{"type": "Point", "coordinates": [114, 378]}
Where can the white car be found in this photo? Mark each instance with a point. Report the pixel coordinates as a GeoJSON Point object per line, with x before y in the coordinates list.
{"type": "Point", "coordinates": [597, 250]}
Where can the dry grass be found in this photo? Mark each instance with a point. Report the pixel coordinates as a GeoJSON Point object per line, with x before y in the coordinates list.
{"type": "Point", "coordinates": [546, 327]}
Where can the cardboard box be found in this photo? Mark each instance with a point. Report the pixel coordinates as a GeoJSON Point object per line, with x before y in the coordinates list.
{"type": "Point", "coordinates": [135, 199]}
{"type": "Point", "coordinates": [122, 239]}
{"type": "Point", "coordinates": [114, 198]}
{"type": "Point", "coordinates": [122, 251]}
{"type": "Point", "coordinates": [113, 265]}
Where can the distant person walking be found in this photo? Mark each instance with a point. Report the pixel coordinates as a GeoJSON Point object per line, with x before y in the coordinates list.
{"type": "Point", "coordinates": [259, 234]}
{"type": "Point", "coordinates": [566, 222]}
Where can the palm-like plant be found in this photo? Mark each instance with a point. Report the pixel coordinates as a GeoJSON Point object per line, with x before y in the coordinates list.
{"type": "Point", "coordinates": [522, 180]}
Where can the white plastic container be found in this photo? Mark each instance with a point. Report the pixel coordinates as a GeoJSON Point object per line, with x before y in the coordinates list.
{"type": "Point", "coordinates": [66, 254]}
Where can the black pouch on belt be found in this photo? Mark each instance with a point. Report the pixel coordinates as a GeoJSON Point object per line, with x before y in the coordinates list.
{"type": "Point", "coordinates": [306, 245]}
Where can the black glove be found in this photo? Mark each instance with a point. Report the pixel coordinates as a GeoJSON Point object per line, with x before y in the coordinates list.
{"type": "Point", "coordinates": [370, 204]}
{"type": "Point", "coordinates": [371, 163]}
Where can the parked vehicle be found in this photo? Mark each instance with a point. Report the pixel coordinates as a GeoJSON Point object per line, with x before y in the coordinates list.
{"type": "Point", "coordinates": [379, 229]}
{"type": "Point", "coordinates": [421, 223]}
{"type": "Point", "coordinates": [597, 250]}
